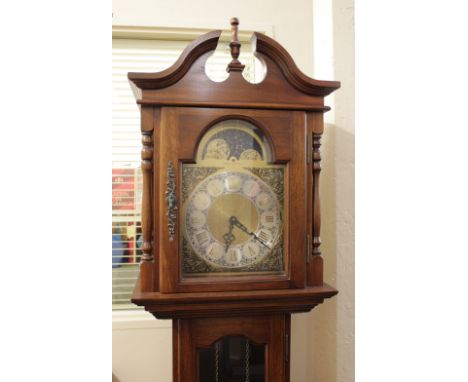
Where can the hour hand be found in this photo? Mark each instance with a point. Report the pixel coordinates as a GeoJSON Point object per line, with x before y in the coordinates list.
{"type": "Point", "coordinates": [229, 237]}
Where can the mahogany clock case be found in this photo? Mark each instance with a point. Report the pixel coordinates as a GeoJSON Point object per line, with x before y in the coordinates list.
{"type": "Point", "coordinates": [218, 311]}
{"type": "Point", "coordinates": [178, 106]}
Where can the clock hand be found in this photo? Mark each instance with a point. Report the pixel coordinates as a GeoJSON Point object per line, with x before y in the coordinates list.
{"type": "Point", "coordinates": [234, 221]}
{"type": "Point", "coordinates": [260, 241]}
{"type": "Point", "coordinates": [229, 237]}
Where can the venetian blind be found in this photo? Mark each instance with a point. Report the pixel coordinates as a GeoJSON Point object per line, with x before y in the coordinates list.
{"type": "Point", "coordinates": [138, 55]}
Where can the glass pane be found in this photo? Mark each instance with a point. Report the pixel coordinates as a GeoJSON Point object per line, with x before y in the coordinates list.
{"type": "Point", "coordinates": [232, 359]}
{"type": "Point", "coordinates": [233, 205]}
{"type": "Point", "coordinates": [126, 234]}
{"type": "Point", "coordinates": [136, 55]}
{"type": "Point", "coordinates": [130, 56]}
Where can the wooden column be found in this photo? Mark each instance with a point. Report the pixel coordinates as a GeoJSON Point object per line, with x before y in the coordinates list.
{"type": "Point", "coordinates": [147, 259]}
{"type": "Point", "coordinates": [315, 128]}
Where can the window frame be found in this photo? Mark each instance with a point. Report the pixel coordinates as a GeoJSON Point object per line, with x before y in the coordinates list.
{"type": "Point", "coordinates": [135, 32]}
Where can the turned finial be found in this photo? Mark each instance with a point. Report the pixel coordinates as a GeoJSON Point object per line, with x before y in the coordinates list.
{"type": "Point", "coordinates": [235, 65]}
{"type": "Point", "coordinates": [234, 29]}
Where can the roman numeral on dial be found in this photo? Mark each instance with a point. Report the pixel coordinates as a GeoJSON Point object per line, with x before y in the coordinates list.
{"type": "Point", "coordinates": [202, 237]}
{"type": "Point", "coordinates": [251, 250]}
{"type": "Point", "coordinates": [264, 235]}
{"type": "Point", "coordinates": [215, 251]}
{"type": "Point", "coordinates": [268, 219]}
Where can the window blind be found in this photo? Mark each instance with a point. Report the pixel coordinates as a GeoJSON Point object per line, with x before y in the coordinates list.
{"type": "Point", "coordinates": [137, 55]}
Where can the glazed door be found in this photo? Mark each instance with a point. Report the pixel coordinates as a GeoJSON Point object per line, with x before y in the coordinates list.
{"type": "Point", "coordinates": [235, 349]}
{"type": "Point", "coordinates": [233, 206]}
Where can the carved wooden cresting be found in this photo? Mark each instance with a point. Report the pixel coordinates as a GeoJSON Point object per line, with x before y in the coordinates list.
{"type": "Point", "coordinates": [216, 307]}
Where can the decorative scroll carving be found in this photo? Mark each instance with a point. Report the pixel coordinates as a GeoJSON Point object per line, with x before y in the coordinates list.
{"type": "Point", "coordinates": [271, 48]}
{"type": "Point", "coordinates": [235, 65]}
{"type": "Point", "coordinates": [264, 46]}
{"type": "Point", "coordinates": [316, 168]}
{"type": "Point", "coordinates": [205, 43]}
{"type": "Point", "coordinates": [146, 206]}
{"type": "Point", "coordinates": [171, 201]}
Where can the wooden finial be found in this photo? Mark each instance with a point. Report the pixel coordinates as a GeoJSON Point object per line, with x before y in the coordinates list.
{"type": "Point", "coordinates": [235, 65]}
{"type": "Point", "coordinates": [234, 29]}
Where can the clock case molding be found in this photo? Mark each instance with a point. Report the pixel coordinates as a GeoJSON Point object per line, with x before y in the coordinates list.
{"type": "Point", "coordinates": [288, 106]}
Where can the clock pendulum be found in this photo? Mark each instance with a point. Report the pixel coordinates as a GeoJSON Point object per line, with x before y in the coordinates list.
{"type": "Point", "coordinates": [231, 209]}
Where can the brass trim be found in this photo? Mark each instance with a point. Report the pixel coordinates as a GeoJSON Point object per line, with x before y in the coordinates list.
{"type": "Point", "coordinates": [171, 200]}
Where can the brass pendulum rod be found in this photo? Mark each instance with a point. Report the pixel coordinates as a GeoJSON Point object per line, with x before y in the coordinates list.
{"type": "Point", "coordinates": [247, 361]}
{"type": "Point", "coordinates": [217, 345]}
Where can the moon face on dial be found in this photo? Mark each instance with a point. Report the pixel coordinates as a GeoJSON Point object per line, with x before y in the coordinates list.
{"type": "Point", "coordinates": [232, 219]}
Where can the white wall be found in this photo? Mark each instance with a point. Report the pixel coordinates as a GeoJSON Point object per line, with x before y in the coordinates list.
{"type": "Point", "coordinates": [331, 325]}
{"type": "Point", "coordinates": [291, 20]}
{"type": "Point", "coordinates": [141, 348]}
{"type": "Point", "coordinates": [322, 341]}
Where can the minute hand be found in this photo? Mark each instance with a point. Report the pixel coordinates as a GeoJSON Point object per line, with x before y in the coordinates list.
{"type": "Point", "coordinates": [242, 227]}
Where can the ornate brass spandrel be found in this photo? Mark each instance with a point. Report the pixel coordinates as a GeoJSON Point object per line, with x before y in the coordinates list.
{"type": "Point", "coordinates": [274, 177]}
{"type": "Point", "coordinates": [193, 175]}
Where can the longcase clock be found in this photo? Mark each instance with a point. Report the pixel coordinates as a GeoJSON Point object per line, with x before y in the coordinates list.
{"type": "Point", "coordinates": [231, 210]}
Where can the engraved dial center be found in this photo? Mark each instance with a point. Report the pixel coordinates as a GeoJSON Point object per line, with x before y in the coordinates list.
{"type": "Point", "coordinates": [229, 205]}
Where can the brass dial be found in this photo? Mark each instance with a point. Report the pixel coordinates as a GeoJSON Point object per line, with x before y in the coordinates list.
{"type": "Point", "coordinates": [232, 219]}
